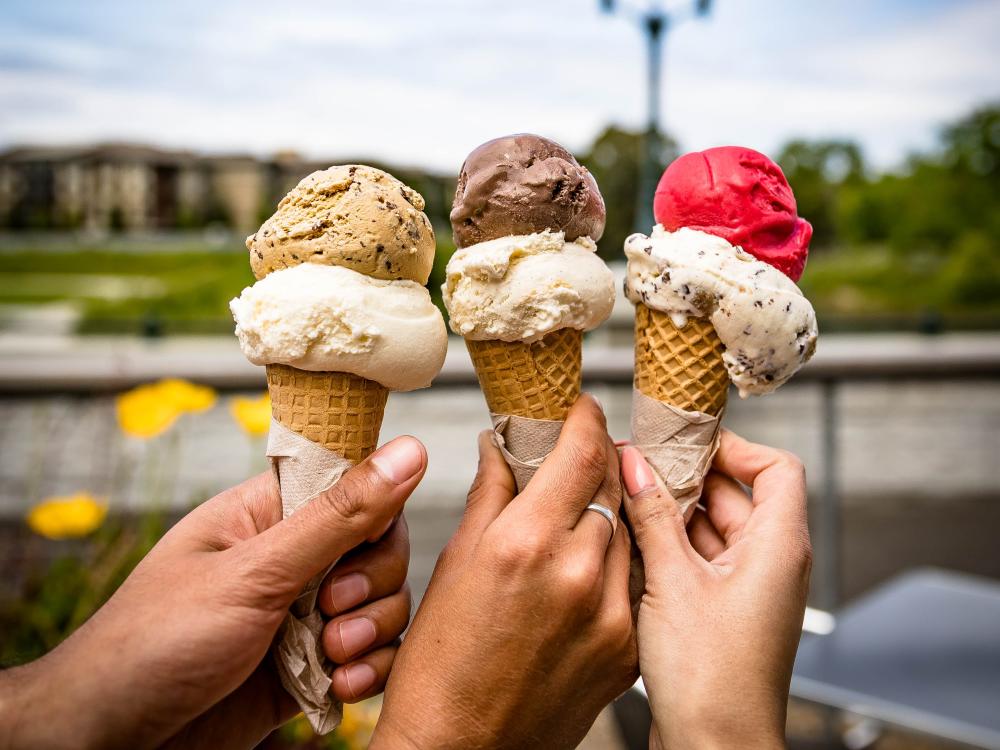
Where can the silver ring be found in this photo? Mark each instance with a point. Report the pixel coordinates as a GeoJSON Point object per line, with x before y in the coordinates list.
{"type": "Point", "coordinates": [608, 514]}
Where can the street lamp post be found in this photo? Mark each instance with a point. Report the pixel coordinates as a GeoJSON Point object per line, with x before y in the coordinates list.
{"type": "Point", "coordinates": [654, 22]}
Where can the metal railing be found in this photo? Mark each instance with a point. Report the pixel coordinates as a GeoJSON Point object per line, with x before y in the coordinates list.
{"type": "Point", "coordinates": [106, 365]}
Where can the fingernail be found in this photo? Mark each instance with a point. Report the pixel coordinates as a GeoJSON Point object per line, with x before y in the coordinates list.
{"type": "Point", "coordinates": [399, 460]}
{"type": "Point", "coordinates": [596, 399]}
{"type": "Point", "coordinates": [360, 679]}
{"type": "Point", "coordinates": [349, 591]}
{"type": "Point", "coordinates": [636, 472]}
{"type": "Point", "coordinates": [356, 634]}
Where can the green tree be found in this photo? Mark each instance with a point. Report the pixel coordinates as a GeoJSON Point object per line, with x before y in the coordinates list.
{"type": "Point", "coordinates": [614, 160]}
{"type": "Point", "coordinates": [819, 173]}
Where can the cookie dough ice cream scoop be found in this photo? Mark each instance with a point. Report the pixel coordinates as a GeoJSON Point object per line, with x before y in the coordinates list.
{"type": "Point", "coordinates": [339, 316]}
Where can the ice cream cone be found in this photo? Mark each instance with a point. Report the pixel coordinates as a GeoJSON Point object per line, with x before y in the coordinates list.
{"type": "Point", "coordinates": [337, 410]}
{"type": "Point", "coordinates": [679, 366]}
{"type": "Point", "coordinates": [540, 380]}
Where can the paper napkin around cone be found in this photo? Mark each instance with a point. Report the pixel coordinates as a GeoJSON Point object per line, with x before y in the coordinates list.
{"type": "Point", "coordinates": [678, 444]}
{"type": "Point", "coordinates": [304, 470]}
{"type": "Point", "coordinates": [524, 443]}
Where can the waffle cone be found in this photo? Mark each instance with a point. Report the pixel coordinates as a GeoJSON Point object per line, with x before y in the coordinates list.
{"type": "Point", "coordinates": [340, 411]}
{"type": "Point", "coordinates": [540, 380]}
{"type": "Point", "coordinates": [680, 366]}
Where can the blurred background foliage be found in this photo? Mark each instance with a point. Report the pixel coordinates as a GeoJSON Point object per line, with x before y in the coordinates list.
{"type": "Point", "coordinates": [910, 247]}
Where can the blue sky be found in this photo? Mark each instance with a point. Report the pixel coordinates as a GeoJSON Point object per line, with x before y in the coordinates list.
{"type": "Point", "coordinates": [421, 82]}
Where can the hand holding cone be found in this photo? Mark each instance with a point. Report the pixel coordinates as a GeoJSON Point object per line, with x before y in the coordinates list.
{"type": "Point", "coordinates": [339, 317]}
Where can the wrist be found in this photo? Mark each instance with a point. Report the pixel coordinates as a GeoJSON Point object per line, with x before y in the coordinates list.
{"type": "Point", "coordinates": [715, 728]}
{"type": "Point", "coordinates": [40, 706]}
{"type": "Point", "coordinates": [389, 737]}
{"type": "Point", "coordinates": [27, 714]}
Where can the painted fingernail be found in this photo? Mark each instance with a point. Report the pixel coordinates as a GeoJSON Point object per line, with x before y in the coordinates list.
{"type": "Point", "coordinates": [399, 460]}
{"type": "Point", "coordinates": [356, 634]}
{"type": "Point", "coordinates": [360, 678]}
{"type": "Point", "coordinates": [636, 472]}
{"type": "Point", "coordinates": [349, 591]}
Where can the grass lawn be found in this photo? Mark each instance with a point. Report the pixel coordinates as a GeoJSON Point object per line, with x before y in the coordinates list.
{"type": "Point", "coordinates": [184, 285]}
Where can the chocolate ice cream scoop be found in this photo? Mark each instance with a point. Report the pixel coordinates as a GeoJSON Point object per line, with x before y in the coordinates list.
{"type": "Point", "coordinates": [522, 184]}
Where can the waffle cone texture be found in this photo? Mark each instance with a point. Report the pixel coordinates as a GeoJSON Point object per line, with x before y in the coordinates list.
{"type": "Point", "coordinates": [680, 366]}
{"type": "Point", "coordinates": [540, 380]}
{"type": "Point", "coordinates": [338, 410]}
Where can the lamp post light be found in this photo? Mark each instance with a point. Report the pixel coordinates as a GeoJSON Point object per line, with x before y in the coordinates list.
{"type": "Point", "coordinates": [654, 21]}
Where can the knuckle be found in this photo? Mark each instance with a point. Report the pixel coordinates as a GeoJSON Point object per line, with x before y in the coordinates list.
{"type": "Point", "coordinates": [519, 550]}
{"type": "Point", "coordinates": [618, 626]}
{"type": "Point", "coordinates": [791, 463]}
{"type": "Point", "coordinates": [407, 603]}
{"type": "Point", "coordinates": [449, 555]}
{"type": "Point", "coordinates": [477, 489]}
{"type": "Point", "coordinates": [609, 494]}
{"type": "Point", "coordinates": [660, 512]}
{"type": "Point", "coordinates": [578, 579]}
{"type": "Point", "coordinates": [254, 579]}
{"type": "Point", "coordinates": [803, 552]}
{"type": "Point", "coordinates": [348, 497]}
{"type": "Point", "coordinates": [590, 459]}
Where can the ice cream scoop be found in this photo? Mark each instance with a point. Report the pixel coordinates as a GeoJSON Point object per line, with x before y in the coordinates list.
{"type": "Point", "coordinates": [333, 319]}
{"type": "Point", "coordinates": [522, 184]}
{"type": "Point", "coordinates": [740, 195]}
{"type": "Point", "coordinates": [354, 216]}
{"type": "Point", "coordinates": [768, 328]}
{"type": "Point", "coordinates": [522, 287]}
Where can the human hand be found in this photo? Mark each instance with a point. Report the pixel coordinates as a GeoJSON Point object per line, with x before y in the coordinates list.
{"type": "Point", "coordinates": [721, 614]}
{"type": "Point", "coordinates": [525, 633]}
{"type": "Point", "coordinates": [178, 654]}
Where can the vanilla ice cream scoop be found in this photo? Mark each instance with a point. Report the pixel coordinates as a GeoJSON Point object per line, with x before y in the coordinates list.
{"type": "Point", "coordinates": [333, 319]}
{"type": "Point", "coordinates": [522, 287]}
{"type": "Point", "coordinates": [767, 326]}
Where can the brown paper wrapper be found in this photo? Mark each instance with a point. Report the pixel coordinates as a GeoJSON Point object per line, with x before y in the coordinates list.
{"type": "Point", "coordinates": [678, 444]}
{"type": "Point", "coordinates": [305, 469]}
{"type": "Point", "coordinates": [529, 388]}
{"type": "Point", "coordinates": [524, 443]}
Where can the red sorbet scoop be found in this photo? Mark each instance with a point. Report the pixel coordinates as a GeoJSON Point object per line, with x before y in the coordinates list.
{"type": "Point", "coordinates": [740, 195]}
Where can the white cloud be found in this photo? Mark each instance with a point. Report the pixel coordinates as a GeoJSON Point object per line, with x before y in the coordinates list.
{"type": "Point", "coordinates": [423, 83]}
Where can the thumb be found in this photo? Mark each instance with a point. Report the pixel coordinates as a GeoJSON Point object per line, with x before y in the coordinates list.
{"type": "Point", "coordinates": [656, 519]}
{"type": "Point", "coordinates": [359, 507]}
{"type": "Point", "coordinates": [491, 490]}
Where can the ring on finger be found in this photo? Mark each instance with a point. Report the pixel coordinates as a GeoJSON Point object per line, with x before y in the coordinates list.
{"type": "Point", "coordinates": [607, 513]}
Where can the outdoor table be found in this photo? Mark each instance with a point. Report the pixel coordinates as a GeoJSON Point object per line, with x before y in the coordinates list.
{"type": "Point", "coordinates": [921, 652]}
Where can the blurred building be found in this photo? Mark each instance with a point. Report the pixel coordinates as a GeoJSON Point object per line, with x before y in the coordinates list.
{"type": "Point", "coordinates": [119, 186]}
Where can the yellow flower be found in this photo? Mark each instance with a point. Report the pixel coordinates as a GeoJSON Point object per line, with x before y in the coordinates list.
{"type": "Point", "coordinates": [187, 397]}
{"type": "Point", "coordinates": [149, 410]}
{"type": "Point", "coordinates": [143, 413]}
{"type": "Point", "coordinates": [358, 723]}
{"type": "Point", "coordinates": [67, 517]}
{"type": "Point", "coordinates": [252, 414]}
